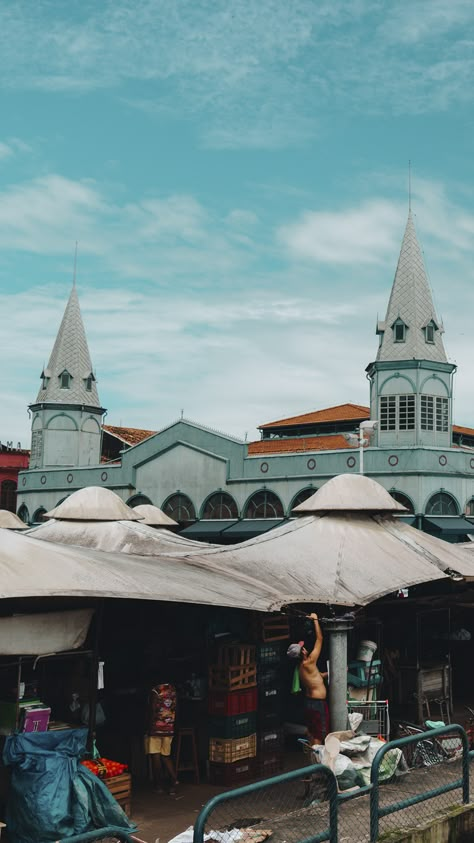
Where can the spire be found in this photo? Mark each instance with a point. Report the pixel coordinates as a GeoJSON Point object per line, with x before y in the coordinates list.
{"type": "Point", "coordinates": [69, 378]}
{"type": "Point", "coordinates": [411, 329]}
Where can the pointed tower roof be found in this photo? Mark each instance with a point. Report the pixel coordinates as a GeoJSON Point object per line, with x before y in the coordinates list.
{"type": "Point", "coordinates": [411, 303]}
{"type": "Point", "coordinates": [70, 355]}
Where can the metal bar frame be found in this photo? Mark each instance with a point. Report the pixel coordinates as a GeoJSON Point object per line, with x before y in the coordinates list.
{"type": "Point", "coordinates": [376, 811]}
{"type": "Point", "coordinates": [330, 834]}
{"type": "Point", "coordinates": [99, 834]}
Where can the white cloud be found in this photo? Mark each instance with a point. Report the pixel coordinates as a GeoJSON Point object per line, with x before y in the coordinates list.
{"type": "Point", "coordinates": [5, 150]}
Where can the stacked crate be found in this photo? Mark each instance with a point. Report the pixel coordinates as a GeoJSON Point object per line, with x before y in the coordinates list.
{"type": "Point", "coordinates": [272, 631]}
{"type": "Point", "coordinates": [233, 719]}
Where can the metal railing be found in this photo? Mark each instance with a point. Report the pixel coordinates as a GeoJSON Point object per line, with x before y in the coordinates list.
{"type": "Point", "coordinates": [428, 752]}
{"type": "Point", "coordinates": [296, 801]}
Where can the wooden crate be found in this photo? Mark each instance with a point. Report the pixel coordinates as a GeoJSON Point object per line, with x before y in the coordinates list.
{"type": "Point", "coordinates": [121, 789]}
{"type": "Point", "coordinates": [229, 750]}
{"type": "Point", "coordinates": [236, 654]}
{"type": "Point", "coordinates": [232, 677]}
{"type": "Point", "coordinates": [273, 627]}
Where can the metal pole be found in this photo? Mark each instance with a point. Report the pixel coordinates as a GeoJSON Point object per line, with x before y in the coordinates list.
{"type": "Point", "coordinates": [337, 630]}
{"type": "Point", "coordinates": [361, 450]}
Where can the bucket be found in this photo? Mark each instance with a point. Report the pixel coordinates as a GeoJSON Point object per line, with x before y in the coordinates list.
{"type": "Point", "coordinates": [366, 651]}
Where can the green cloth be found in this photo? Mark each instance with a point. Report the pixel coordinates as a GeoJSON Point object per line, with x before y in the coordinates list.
{"type": "Point", "coordinates": [296, 684]}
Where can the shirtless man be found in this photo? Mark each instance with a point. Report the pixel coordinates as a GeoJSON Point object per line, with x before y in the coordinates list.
{"type": "Point", "coordinates": [316, 710]}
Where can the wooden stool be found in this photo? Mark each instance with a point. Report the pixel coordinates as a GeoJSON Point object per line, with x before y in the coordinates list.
{"type": "Point", "coordinates": [187, 732]}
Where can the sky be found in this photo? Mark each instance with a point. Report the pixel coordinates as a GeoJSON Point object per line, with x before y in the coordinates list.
{"type": "Point", "coordinates": [236, 175]}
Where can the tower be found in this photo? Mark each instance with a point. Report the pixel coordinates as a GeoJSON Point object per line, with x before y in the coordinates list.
{"type": "Point", "coordinates": [66, 427]}
{"type": "Point", "coordinates": [411, 379]}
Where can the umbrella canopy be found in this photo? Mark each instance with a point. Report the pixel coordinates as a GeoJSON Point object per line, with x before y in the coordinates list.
{"type": "Point", "coordinates": [10, 521]}
{"type": "Point", "coordinates": [32, 568]}
{"type": "Point", "coordinates": [93, 504]}
{"type": "Point", "coordinates": [118, 536]}
{"type": "Point", "coordinates": [154, 516]}
{"type": "Point", "coordinates": [350, 493]}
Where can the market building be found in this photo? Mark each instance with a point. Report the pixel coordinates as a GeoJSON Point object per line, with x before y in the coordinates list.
{"type": "Point", "coordinates": [221, 489]}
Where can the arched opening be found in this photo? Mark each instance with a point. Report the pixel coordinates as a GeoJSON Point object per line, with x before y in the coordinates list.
{"type": "Point", "coordinates": [301, 497]}
{"type": "Point", "coordinates": [8, 495]}
{"type": "Point", "coordinates": [24, 514]}
{"type": "Point", "coordinates": [441, 504]}
{"type": "Point", "coordinates": [219, 506]}
{"type": "Point", "coordinates": [180, 508]}
{"type": "Point", "coordinates": [405, 501]}
{"type": "Point", "coordinates": [264, 504]}
{"type": "Point", "coordinates": [38, 515]}
{"type": "Point", "coordinates": [138, 500]}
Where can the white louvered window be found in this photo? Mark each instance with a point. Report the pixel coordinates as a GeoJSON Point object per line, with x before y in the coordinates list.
{"type": "Point", "coordinates": [442, 415]}
{"type": "Point", "coordinates": [406, 412]}
{"type": "Point", "coordinates": [427, 412]}
{"type": "Point", "coordinates": [398, 412]}
{"type": "Point", "coordinates": [388, 412]}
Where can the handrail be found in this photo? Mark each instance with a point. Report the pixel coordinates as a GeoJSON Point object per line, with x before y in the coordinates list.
{"type": "Point", "coordinates": [330, 834]}
{"type": "Point", "coordinates": [100, 834]}
{"type": "Point", "coordinates": [376, 811]}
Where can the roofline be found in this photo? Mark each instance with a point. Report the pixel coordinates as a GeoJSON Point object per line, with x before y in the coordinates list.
{"type": "Point", "coordinates": [55, 405]}
{"type": "Point", "coordinates": [310, 412]}
{"type": "Point", "coordinates": [190, 424]}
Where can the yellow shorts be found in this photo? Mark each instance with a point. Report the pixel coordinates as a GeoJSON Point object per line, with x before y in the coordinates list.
{"type": "Point", "coordinates": [158, 745]}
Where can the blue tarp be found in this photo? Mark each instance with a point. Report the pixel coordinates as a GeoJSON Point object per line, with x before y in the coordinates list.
{"type": "Point", "coordinates": [52, 795]}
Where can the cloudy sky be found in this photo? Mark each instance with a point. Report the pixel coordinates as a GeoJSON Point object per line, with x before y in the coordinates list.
{"type": "Point", "coordinates": [235, 172]}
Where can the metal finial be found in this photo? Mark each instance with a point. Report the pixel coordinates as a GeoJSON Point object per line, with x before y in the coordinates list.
{"type": "Point", "coordinates": [75, 266]}
{"type": "Point", "coordinates": [409, 186]}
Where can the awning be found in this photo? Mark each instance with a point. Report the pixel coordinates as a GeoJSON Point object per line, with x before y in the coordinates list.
{"type": "Point", "coordinates": [450, 525]}
{"type": "Point", "coordinates": [407, 519]}
{"type": "Point", "coordinates": [207, 527]}
{"type": "Point", "coordinates": [248, 528]}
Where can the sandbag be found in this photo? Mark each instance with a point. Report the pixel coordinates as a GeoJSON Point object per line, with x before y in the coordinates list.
{"type": "Point", "coordinates": [52, 795]}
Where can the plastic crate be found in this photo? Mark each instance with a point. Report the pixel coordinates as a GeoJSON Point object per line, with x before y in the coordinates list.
{"type": "Point", "coordinates": [228, 750]}
{"type": "Point", "coordinates": [232, 677]}
{"type": "Point", "coordinates": [269, 764]}
{"type": "Point", "coordinates": [269, 719]}
{"type": "Point", "coordinates": [269, 653]}
{"type": "Point", "coordinates": [236, 726]}
{"type": "Point", "coordinates": [233, 775]}
{"type": "Point", "coordinates": [237, 702]}
{"type": "Point", "coordinates": [236, 654]}
{"type": "Point", "coordinates": [271, 741]}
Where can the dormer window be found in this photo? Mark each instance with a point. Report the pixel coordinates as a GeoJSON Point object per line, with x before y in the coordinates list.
{"type": "Point", "coordinates": [65, 379]}
{"type": "Point", "coordinates": [44, 381]}
{"type": "Point", "coordinates": [399, 331]}
{"type": "Point", "coordinates": [88, 381]}
{"type": "Point", "coordinates": [429, 330]}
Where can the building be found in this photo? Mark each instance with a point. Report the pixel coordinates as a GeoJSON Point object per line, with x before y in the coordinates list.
{"type": "Point", "coordinates": [12, 461]}
{"type": "Point", "coordinates": [220, 488]}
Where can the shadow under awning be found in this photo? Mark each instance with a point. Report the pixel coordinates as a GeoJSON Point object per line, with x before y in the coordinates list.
{"type": "Point", "coordinates": [449, 525]}
{"type": "Point", "coordinates": [247, 528]}
{"type": "Point", "coordinates": [208, 528]}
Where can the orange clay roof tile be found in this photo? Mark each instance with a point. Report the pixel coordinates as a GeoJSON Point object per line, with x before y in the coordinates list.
{"type": "Point", "coordinates": [297, 444]}
{"type": "Point", "coordinates": [469, 431]}
{"type": "Point", "coordinates": [342, 412]}
{"type": "Point", "coordinates": [129, 435]}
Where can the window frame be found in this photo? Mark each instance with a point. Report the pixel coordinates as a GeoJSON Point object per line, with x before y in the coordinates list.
{"type": "Point", "coordinates": [394, 408]}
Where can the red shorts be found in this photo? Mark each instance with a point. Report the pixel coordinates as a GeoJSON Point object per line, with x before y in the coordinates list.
{"type": "Point", "coordinates": [317, 718]}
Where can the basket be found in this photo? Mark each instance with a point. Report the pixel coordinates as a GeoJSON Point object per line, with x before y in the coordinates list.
{"type": "Point", "coordinates": [228, 750]}
{"type": "Point", "coordinates": [236, 654]}
{"type": "Point", "coordinates": [271, 741]}
{"type": "Point", "coordinates": [235, 726]}
{"type": "Point", "coordinates": [237, 702]}
{"type": "Point", "coordinates": [232, 677]}
{"type": "Point", "coordinates": [230, 775]}
{"type": "Point", "coordinates": [269, 764]}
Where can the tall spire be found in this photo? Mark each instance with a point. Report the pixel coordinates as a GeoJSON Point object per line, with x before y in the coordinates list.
{"type": "Point", "coordinates": [411, 308]}
{"type": "Point", "coordinates": [69, 378]}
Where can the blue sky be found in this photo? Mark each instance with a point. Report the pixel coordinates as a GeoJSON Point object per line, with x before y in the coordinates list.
{"type": "Point", "coordinates": [236, 175]}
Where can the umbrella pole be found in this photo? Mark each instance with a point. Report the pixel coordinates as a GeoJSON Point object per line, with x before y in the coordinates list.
{"type": "Point", "coordinates": [337, 630]}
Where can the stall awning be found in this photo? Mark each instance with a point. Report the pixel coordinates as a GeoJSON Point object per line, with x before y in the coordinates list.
{"type": "Point", "coordinates": [450, 525]}
{"type": "Point", "coordinates": [208, 527]}
{"type": "Point", "coordinates": [247, 528]}
{"type": "Point", "coordinates": [407, 519]}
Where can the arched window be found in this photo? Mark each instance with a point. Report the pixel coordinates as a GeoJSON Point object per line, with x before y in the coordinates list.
{"type": "Point", "coordinates": [38, 516]}
{"type": "Point", "coordinates": [264, 505]}
{"type": "Point", "coordinates": [61, 501]}
{"type": "Point", "coordinates": [469, 511]}
{"type": "Point", "coordinates": [302, 496]}
{"type": "Point", "coordinates": [404, 500]}
{"type": "Point", "coordinates": [441, 504]}
{"type": "Point", "coordinates": [24, 514]}
{"type": "Point", "coordinates": [220, 505]}
{"type": "Point", "coordinates": [138, 500]}
{"type": "Point", "coordinates": [8, 495]}
{"type": "Point", "coordinates": [65, 379]}
{"type": "Point", "coordinates": [180, 508]}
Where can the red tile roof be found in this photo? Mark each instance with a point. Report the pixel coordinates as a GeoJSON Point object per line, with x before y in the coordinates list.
{"type": "Point", "coordinates": [342, 412]}
{"type": "Point", "coordinates": [300, 443]}
{"type": "Point", "coordinates": [129, 435]}
{"type": "Point", "coordinates": [469, 431]}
